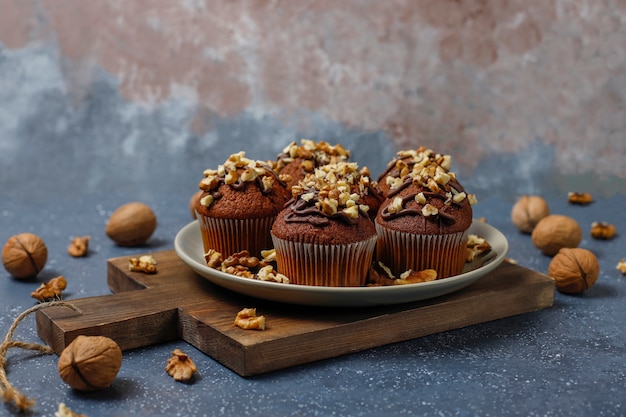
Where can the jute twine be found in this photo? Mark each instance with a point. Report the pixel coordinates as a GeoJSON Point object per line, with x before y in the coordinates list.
{"type": "Point", "coordinates": [8, 392]}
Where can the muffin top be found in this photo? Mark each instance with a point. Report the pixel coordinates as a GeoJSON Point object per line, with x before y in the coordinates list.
{"type": "Point", "coordinates": [424, 196]}
{"type": "Point", "coordinates": [242, 188]}
{"type": "Point", "coordinates": [298, 160]}
{"type": "Point", "coordinates": [325, 209]}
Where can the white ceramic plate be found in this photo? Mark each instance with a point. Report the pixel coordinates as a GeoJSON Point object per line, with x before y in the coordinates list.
{"type": "Point", "coordinates": [188, 245]}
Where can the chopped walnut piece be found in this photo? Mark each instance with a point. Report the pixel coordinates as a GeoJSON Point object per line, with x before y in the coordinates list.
{"type": "Point", "coordinates": [621, 266]}
{"type": "Point", "coordinates": [64, 411]}
{"type": "Point", "coordinates": [579, 198]}
{"type": "Point", "coordinates": [50, 290]}
{"type": "Point", "coordinates": [268, 273]}
{"type": "Point", "coordinates": [248, 320]}
{"type": "Point", "coordinates": [180, 366]}
{"type": "Point", "coordinates": [602, 230]}
{"type": "Point", "coordinates": [146, 264]}
{"type": "Point", "coordinates": [476, 246]}
{"type": "Point", "coordinates": [242, 258]}
{"type": "Point", "coordinates": [511, 261]}
{"type": "Point", "coordinates": [79, 246]}
{"type": "Point", "coordinates": [380, 275]}
{"type": "Point", "coordinates": [213, 259]}
{"type": "Point", "coordinates": [413, 277]}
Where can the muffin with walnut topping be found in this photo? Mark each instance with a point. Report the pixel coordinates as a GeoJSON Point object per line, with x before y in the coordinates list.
{"type": "Point", "coordinates": [324, 236]}
{"type": "Point", "coordinates": [239, 202]}
{"type": "Point", "coordinates": [424, 222]}
{"type": "Point", "coordinates": [296, 161]}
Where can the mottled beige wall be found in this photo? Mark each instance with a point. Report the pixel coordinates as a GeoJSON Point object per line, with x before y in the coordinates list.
{"type": "Point", "coordinates": [470, 77]}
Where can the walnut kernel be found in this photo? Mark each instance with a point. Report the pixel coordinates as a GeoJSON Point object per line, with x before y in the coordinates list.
{"type": "Point", "coordinates": [145, 263]}
{"type": "Point", "coordinates": [248, 320]}
{"type": "Point", "coordinates": [579, 198]}
{"type": "Point", "coordinates": [556, 231]}
{"type": "Point", "coordinates": [131, 224]}
{"type": "Point", "coordinates": [602, 230]}
{"type": "Point", "coordinates": [65, 411]}
{"type": "Point", "coordinates": [50, 290]}
{"type": "Point", "coordinates": [574, 270]}
{"type": "Point", "coordinates": [79, 246]}
{"type": "Point", "coordinates": [621, 266]}
{"type": "Point", "coordinates": [528, 211]}
{"type": "Point", "coordinates": [24, 255]}
{"type": "Point", "coordinates": [180, 366]}
{"type": "Point", "coordinates": [90, 363]}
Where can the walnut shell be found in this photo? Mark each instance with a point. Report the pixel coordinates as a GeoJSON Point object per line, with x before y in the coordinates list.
{"type": "Point", "coordinates": [24, 255]}
{"type": "Point", "coordinates": [131, 224]}
{"type": "Point", "coordinates": [556, 231]}
{"type": "Point", "coordinates": [574, 270]}
{"type": "Point", "coordinates": [90, 363]}
{"type": "Point", "coordinates": [528, 211]}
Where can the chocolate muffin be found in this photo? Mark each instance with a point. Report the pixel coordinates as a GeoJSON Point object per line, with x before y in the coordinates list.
{"type": "Point", "coordinates": [238, 205]}
{"type": "Point", "coordinates": [423, 223]}
{"type": "Point", "coordinates": [295, 161]}
{"type": "Point", "coordinates": [324, 236]}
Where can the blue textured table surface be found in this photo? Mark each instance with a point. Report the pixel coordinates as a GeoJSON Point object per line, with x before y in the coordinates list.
{"type": "Point", "coordinates": [568, 360]}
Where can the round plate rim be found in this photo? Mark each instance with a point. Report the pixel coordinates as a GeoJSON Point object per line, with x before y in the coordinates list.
{"type": "Point", "coordinates": [340, 296]}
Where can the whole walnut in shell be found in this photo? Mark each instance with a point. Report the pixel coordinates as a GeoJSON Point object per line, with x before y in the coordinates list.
{"type": "Point", "coordinates": [131, 224]}
{"type": "Point", "coordinates": [574, 270]}
{"type": "Point", "coordinates": [24, 255]}
{"type": "Point", "coordinates": [555, 232]}
{"type": "Point", "coordinates": [528, 211]}
{"type": "Point", "coordinates": [90, 363]}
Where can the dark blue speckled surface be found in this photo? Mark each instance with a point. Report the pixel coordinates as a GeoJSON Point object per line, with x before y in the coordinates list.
{"type": "Point", "coordinates": [64, 169]}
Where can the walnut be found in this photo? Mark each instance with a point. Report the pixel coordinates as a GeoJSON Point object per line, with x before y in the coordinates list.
{"type": "Point", "coordinates": [556, 231]}
{"type": "Point", "coordinates": [79, 246]}
{"type": "Point", "coordinates": [50, 290]}
{"type": "Point", "coordinates": [574, 270]}
{"type": "Point", "coordinates": [24, 255]}
{"type": "Point", "coordinates": [180, 366]}
{"type": "Point", "coordinates": [145, 263]}
{"type": "Point", "coordinates": [90, 363]}
{"type": "Point", "coordinates": [131, 224]}
{"type": "Point", "coordinates": [621, 266]}
{"type": "Point", "coordinates": [413, 277]}
{"type": "Point", "coordinates": [248, 320]}
{"type": "Point", "coordinates": [579, 198]}
{"type": "Point", "coordinates": [64, 411]}
{"type": "Point", "coordinates": [213, 259]}
{"type": "Point", "coordinates": [476, 246]}
{"type": "Point", "coordinates": [602, 230]}
{"type": "Point", "coordinates": [528, 211]}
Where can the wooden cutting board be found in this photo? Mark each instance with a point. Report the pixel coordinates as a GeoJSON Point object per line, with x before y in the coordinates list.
{"type": "Point", "coordinates": [176, 303]}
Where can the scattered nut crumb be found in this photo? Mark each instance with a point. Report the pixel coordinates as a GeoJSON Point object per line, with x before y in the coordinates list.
{"type": "Point", "coordinates": [476, 246]}
{"type": "Point", "coordinates": [64, 411]}
{"type": "Point", "coordinates": [579, 198]}
{"type": "Point", "coordinates": [413, 277]}
{"type": "Point", "coordinates": [180, 366]}
{"type": "Point", "coordinates": [511, 261]}
{"type": "Point", "coordinates": [621, 266]}
{"type": "Point", "coordinates": [79, 246]}
{"type": "Point", "coordinates": [602, 230]}
{"type": "Point", "coordinates": [50, 290]}
{"type": "Point", "coordinates": [145, 263]}
{"type": "Point", "coordinates": [248, 320]}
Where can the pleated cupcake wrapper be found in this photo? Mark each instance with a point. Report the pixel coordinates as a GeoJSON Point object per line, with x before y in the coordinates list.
{"type": "Point", "coordinates": [327, 265]}
{"type": "Point", "coordinates": [229, 236]}
{"type": "Point", "coordinates": [402, 251]}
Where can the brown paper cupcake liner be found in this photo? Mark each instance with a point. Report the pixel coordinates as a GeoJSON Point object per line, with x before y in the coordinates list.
{"type": "Point", "coordinates": [229, 236]}
{"type": "Point", "coordinates": [402, 251]}
{"type": "Point", "coordinates": [325, 265]}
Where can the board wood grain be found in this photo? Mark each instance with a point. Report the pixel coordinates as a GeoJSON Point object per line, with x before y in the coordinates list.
{"type": "Point", "coordinates": [176, 303]}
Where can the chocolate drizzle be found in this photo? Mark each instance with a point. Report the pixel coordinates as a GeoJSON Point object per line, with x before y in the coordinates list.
{"type": "Point", "coordinates": [442, 215]}
{"type": "Point", "coordinates": [301, 211]}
